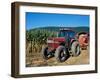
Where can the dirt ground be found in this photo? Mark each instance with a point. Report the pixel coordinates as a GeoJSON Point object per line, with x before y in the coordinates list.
{"type": "Point", "coordinates": [36, 60]}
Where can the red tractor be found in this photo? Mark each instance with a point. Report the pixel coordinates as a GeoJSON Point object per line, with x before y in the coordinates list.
{"type": "Point", "coordinates": [62, 46]}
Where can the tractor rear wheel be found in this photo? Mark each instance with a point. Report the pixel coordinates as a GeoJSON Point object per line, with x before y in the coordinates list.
{"type": "Point", "coordinates": [75, 48]}
{"type": "Point", "coordinates": [61, 54]}
{"type": "Point", "coordinates": [46, 53]}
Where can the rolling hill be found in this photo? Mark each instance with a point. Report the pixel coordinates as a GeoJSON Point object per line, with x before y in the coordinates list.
{"type": "Point", "coordinates": [55, 28]}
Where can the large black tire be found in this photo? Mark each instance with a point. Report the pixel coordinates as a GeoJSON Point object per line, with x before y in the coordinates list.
{"type": "Point", "coordinates": [46, 53]}
{"type": "Point", "coordinates": [61, 54]}
{"type": "Point", "coordinates": [75, 48]}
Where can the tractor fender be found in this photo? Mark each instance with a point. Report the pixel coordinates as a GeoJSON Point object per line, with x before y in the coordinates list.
{"type": "Point", "coordinates": [73, 41]}
{"type": "Point", "coordinates": [62, 43]}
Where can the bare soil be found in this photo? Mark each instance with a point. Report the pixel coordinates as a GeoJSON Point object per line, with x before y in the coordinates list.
{"type": "Point", "coordinates": [36, 60]}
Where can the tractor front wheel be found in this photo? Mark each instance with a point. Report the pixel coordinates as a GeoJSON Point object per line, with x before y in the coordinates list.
{"type": "Point", "coordinates": [46, 53]}
{"type": "Point", "coordinates": [61, 54]}
{"type": "Point", "coordinates": [75, 48]}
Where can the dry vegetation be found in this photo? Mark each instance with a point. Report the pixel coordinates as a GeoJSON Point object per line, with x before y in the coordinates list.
{"type": "Point", "coordinates": [35, 59]}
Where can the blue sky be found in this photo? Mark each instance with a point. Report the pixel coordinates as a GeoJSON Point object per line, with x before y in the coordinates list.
{"type": "Point", "coordinates": [35, 20]}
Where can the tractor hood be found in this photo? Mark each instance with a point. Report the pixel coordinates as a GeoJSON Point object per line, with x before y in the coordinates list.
{"type": "Point", "coordinates": [57, 39]}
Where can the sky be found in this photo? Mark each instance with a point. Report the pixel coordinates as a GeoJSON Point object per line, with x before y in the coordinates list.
{"type": "Point", "coordinates": [35, 20]}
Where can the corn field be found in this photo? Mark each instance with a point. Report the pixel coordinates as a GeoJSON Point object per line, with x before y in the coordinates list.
{"type": "Point", "coordinates": [35, 39]}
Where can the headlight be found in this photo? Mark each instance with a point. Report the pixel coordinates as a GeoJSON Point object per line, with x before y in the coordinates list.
{"type": "Point", "coordinates": [50, 41]}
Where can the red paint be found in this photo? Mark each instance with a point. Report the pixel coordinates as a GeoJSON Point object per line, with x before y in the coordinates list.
{"type": "Point", "coordinates": [54, 42]}
{"type": "Point", "coordinates": [83, 40]}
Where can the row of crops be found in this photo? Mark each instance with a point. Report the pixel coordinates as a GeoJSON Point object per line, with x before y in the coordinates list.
{"type": "Point", "coordinates": [35, 39]}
